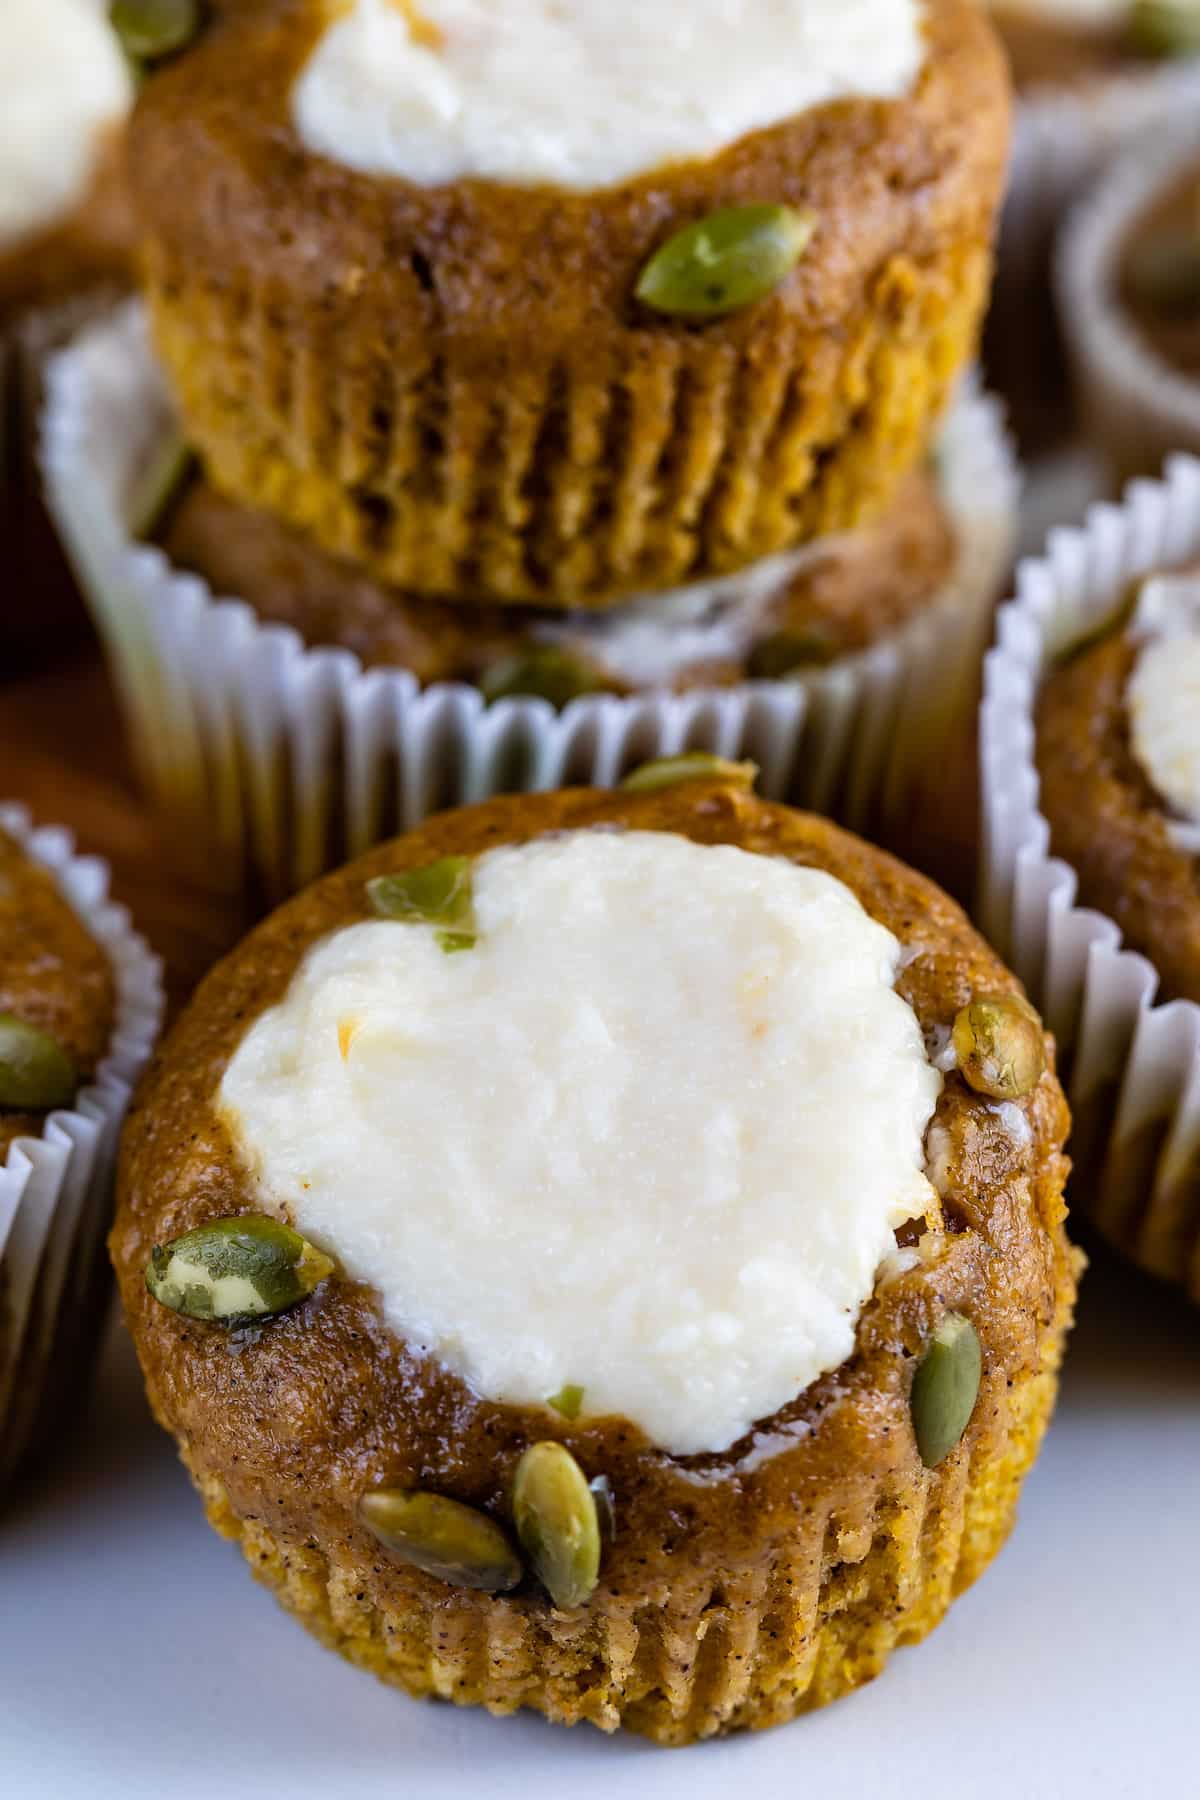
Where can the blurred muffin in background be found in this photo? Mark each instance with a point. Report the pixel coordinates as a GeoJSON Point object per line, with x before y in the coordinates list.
{"type": "Point", "coordinates": [447, 289]}
{"type": "Point", "coordinates": [66, 88]}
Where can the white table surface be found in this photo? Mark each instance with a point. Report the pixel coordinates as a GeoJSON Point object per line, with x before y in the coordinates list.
{"type": "Point", "coordinates": [138, 1658]}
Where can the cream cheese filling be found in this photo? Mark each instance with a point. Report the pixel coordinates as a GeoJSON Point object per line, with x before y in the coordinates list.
{"type": "Point", "coordinates": [1163, 698]}
{"type": "Point", "coordinates": [64, 85]}
{"type": "Point", "coordinates": [650, 1137]}
{"type": "Point", "coordinates": [584, 93]}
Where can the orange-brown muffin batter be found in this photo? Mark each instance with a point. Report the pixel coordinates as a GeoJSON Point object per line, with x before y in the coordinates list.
{"type": "Point", "coordinates": [854, 590]}
{"type": "Point", "coordinates": [740, 1588]}
{"type": "Point", "coordinates": [1106, 819]}
{"type": "Point", "coordinates": [53, 975]}
{"type": "Point", "coordinates": [455, 387]}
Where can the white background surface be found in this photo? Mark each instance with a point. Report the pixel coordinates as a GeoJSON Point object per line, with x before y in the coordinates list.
{"type": "Point", "coordinates": [138, 1658]}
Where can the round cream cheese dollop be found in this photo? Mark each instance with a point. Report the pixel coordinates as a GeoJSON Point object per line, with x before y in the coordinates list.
{"type": "Point", "coordinates": [651, 1137]}
{"type": "Point", "coordinates": [63, 85]}
{"type": "Point", "coordinates": [584, 93]}
{"type": "Point", "coordinates": [1163, 698]}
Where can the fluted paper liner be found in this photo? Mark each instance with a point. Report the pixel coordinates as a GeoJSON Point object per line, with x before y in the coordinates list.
{"type": "Point", "coordinates": [1062, 140]}
{"type": "Point", "coordinates": [1131, 1067]}
{"type": "Point", "coordinates": [809, 1622]}
{"type": "Point", "coordinates": [1136, 406]}
{"type": "Point", "coordinates": [56, 1189]}
{"type": "Point", "coordinates": [290, 760]}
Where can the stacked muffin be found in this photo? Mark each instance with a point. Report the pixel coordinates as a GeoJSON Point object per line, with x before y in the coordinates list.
{"type": "Point", "coordinates": [564, 354]}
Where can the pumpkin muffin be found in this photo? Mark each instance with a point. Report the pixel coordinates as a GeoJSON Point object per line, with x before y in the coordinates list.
{"type": "Point", "coordinates": [415, 1238]}
{"type": "Point", "coordinates": [1118, 753]}
{"type": "Point", "coordinates": [788, 615]}
{"type": "Point", "coordinates": [66, 243]}
{"type": "Point", "coordinates": [1078, 44]}
{"type": "Point", "coordinates": [438, 286]}
{"type": "Point", "coordinates": [79, 1006]}
{"type": "Point", "coordinates": [1118, 761]}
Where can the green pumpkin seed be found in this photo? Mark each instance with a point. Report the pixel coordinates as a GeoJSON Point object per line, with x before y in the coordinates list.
{"type": "Point", "coordinates": [1164, 28]}
{"type": "Point", "coordinates": [1162, 274]}
{"type": "Point", "coordinates": [157, 486]}
{"type": "Point", "coordinates": [945, 1388]}
{"type": "Point", "coordinates": [557, 1523]}
{"type": "Point", "coordinates": [545, 672]}
{"type": "Point", "coordinates": [694, 765]}
{"type": "Point", "coordinates": [999, 1046]}
{"type": "Point", "coordinates": [149, 29]}
{"type": "Point", "coordinates": [722, 263]}
{"type": "Point", "coordinates": [568, 1401]}
{"type": "Point", "coordinates": [233, 1271]}
{"type": "Point", "coordinates": [787, 653]}
{"type": "Point", "coordinates": [439, 894]}
{"type": "Point", "coordinates": [443, 1537]}
{"type": "Point", "coordinates": [36, 1074]}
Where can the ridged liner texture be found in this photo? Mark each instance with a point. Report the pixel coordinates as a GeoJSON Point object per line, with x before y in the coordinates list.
{"type": "Point", "coordinates": [284, 761]}
{"type": "Point", "coordinates": [1137, 408]}
{"type": "Point", "coordinates": [697, 1659]}
{"type": "Point", "coordinates": [1062, 141]}
{"type": "Point", "coordinates": [688, 459]}
{"type": "Point", "coordinates": [1131, 1067]}
{"type": "Point", "coordinates": [56, 1189]}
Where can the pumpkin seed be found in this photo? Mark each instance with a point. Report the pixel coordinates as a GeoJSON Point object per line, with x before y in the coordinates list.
{"type": "Point", "coordinates": [149, 29]}
{"type": "Point", "coordinates": [727, 261]}
{"type": "Point", "coordinates": [694, 765]}
{"type": "Point", "coordinates": [1164, 28]}
{"type": "Point", "coordinates": [568, 1401]}
{"type": "Point", "coordinates": [788, 652]}
{"type": "Point", "coordinates": [557, 1523]}
{"type": "Point", "coordinates": [438, 894]}
{"type": "Point", "coordinates": [36, 1074]}
{"type": "Point", "coordinates": [545, 672]}
{"type": "Point", "coordinates": [945, 1388]}
{"type": "Point", "coordinates": [999, 1046]}
{"type": "Point", "coordinates": [453, 1542]}
{"type": "Point", "coordinates": [232, 1271]}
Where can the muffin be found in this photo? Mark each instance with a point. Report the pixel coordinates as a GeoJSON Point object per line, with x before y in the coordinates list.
{"type": "Point", "coordinates": [65, 242]}
{"type": "Point", "coordinates": [1129, 278]}
{"type": "Point", "coordinates": [437, 286]}
{"type": "Point", "coordinates": [1091, 76]}
{"type": "Point", "coordinates": [1092, 833]}
{"type": "Point", "coordinates": [534, 1444]}
{"type": "Point", "coordinates": [79, 1007]}
{"type": "Point", "coordinates": [238, 648]}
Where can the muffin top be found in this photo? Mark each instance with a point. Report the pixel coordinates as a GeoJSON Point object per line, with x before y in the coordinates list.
{"type": "Point", "coordinates": [586, 94]}
{"type": "Point", "coordinates": [64, 88]}
{"type": "Point", "coordinates": [651, 1095]}
{"type": "Point", "coordinates": [57, 997]}
{"type": "Point", "coordinates": [1118, 751]}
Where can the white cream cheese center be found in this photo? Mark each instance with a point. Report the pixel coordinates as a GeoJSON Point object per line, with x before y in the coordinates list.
{"type": "Point", "coordinates": [651, 1137]}
{"type": "Point", "coordinates": [63, 84]}
{"type": "Point", "coordinates": [584, 93]}
{"type": "Point", "coordinates": [1163, 697]}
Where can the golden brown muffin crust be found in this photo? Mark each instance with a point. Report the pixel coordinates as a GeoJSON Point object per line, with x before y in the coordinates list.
{"type": "Point", "coordinates": [290, 1422]}
{"type": "Point", "coordinates": [52, 974]}
{"type": "Point", "coordinates": [852, 591]}
{"type": "Point", "coordinates": [494, 410]}
{"type": "Point", "coordinates": [1107, 820]}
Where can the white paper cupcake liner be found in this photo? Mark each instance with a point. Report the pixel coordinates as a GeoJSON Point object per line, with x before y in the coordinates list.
{"type": "Point", "coordinates": [289, 760]}
{"type": "Point", "coordinates": [1061, 141]}
{"type": "Point", "coordinates": [1132, 1068]}
{"type": "Point", "coordinates": [1137, 408]}
{"type": "Point", "coordinates": [55, 1190]}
